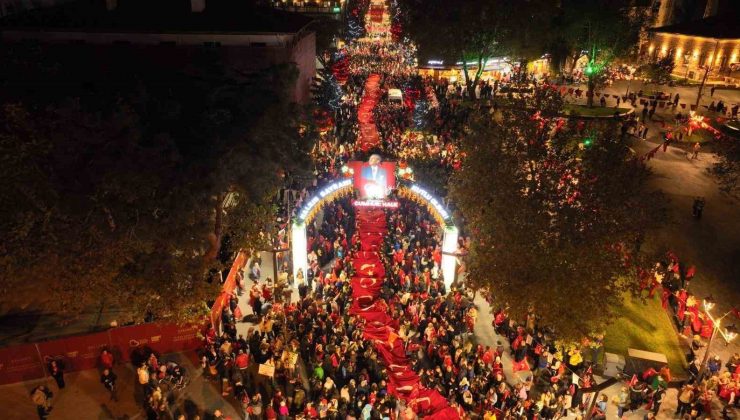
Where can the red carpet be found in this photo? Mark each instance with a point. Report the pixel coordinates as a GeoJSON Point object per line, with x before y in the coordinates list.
{"type": "Point", "coordinates": [380, 327]}
{"type": "Point", "coordinates": [369, 137]}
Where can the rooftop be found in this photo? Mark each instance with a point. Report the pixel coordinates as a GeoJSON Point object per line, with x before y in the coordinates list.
{"type": "Point", "coordinates": [157, 16]}
{"type": "Point", "coordinates": [724, 26]}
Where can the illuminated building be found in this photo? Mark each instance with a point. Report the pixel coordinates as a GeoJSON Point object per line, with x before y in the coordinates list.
{"type": "Point", "coordinates": [711, 44]}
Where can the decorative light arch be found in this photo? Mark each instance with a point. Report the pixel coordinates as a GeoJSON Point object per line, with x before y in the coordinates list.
{"type": "Point", "coordinates": [444, 218]}
{"type": "Point", "coordinates": [299, 240]}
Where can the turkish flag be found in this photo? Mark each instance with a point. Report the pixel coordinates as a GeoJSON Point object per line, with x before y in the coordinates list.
{"type": "Point", "coordinates": [392, 354]}
{"type": "Point", "coordinates": [523, 365]}
{"type": "Point", "coordinates": [370, 256]}
{"type": "Point", "coordinates": [368, 269]}
{"type": "Point", "coordinates": [382, 333]}
{"type": "Point", "coordinates": [369, 284]}
{"type": "Point", "coordinates": [373, 227]}
{"type": "Point", "coordinates": [404, 378]}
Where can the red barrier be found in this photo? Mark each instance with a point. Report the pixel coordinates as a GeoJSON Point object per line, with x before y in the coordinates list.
{"type": "Point", "coordinates": [78, 353]}
{"type": "Point", "coordinates": [229, 285]}
{"type": "Point", "coordinates": [20, 363]}
{"type": "Point", "coordinates": [125, 340]}
{"type": "Point", "coordinates": [28, 361]}
{"type": "Point", "coordinates": [180, 338]}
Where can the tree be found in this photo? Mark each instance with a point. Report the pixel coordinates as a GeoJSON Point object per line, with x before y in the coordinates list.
{"type": "Point", "coordinates": [659, 70]}
{"type": "Point", "coordinates": [727, 167]}
{"type": "Point", "coordinates": [600, 30]}
{"type": "Point", "coordinates": [115, 189]}
{"type": "Point", "coordinates": [553, 212]}
{"type": "Point", "coordinates": [529, 31]}
{"type": "Point", "coordinates": [473, 31]}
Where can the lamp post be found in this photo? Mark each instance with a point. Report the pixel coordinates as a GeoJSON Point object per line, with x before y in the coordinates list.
{"type": "Point", "coordinates": [728, 334]}
{"type": "Point", "coordinates": [707, 69]}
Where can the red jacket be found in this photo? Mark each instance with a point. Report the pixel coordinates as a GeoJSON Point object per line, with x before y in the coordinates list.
{"type": "Point", "coordinates": [242, 361]}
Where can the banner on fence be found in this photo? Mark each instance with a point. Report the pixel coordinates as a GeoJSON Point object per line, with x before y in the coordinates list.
{"type": "Point", "coordinates": [77, 353]}
{"type": "Point", "coordinates": [20, 363]}
{"type": "Point", "coordinates": [28, 361]}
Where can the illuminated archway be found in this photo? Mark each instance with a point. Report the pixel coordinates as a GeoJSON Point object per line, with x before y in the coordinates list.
{"type": "Point", "coordinates": [444, 218]}
{"type": "Point", "coordinates": [299, 240]}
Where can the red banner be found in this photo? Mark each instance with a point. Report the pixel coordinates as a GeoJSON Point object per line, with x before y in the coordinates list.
{"type": "Point", "coordinates": [125, 340]}
{"type": "Point", "coordinates": [77, 353]}
{"type": "Point", "coordinates": [20, 363]}
{"type": "Point", "coordinates": [229, 285]}
{"type": "Point", "coordinates": [28, 361]}
{"type": "Point", "coordinates": [176, 338]}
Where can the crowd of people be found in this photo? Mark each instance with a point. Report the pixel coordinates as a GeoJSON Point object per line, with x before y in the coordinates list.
{"type": "Point", "coordinates": [307, 357]}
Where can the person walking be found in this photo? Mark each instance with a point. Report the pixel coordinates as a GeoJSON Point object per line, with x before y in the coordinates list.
{"type": "Point", "coordinates": [657, 400]}
{"type": "Point", "coordinates": [698, 207]}
{"type": "Point", "coordinates": [644, 132]}
{"type": "Point", "coordinates": [696, 149]}
{"type": "Point", "coordinates": [108, 379]}
{"type": "Point", "coordinates": [41, 396]}
{"type": "Point", "coordinates": [56, 370]}
{"type": "Point", "coordinates": [106, 359]}
{"type": "Point", "coordinates": [675, 100]}
{"type": "Point", "coordinates": [711, 91]}
{"type": "Point", "coordinates": [685, 397]}
{"type": "Point", "coordinates": [623, 400]}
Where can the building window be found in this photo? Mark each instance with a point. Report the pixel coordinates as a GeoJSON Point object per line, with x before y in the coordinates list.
{"type": "Point", "coordinates": [723, 63]}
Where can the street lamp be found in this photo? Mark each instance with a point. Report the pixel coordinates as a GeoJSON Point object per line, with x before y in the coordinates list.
{"type": "Point", "coordinates": [707, 69]}
{"type": "Point", "coordinates": [729, 333]}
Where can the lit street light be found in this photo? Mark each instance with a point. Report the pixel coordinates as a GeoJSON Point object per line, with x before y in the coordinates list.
{"type": "Point", "coordinates": [728, 334]}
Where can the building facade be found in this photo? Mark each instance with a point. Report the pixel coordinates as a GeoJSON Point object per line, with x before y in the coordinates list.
{"type": "Point", "coordinates": [710, 45]}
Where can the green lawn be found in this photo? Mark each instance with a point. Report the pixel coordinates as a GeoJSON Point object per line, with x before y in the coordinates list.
{"type": "Point", "coordinates": [645, 326]}
{"type": "Point", "coordinates": [596, 111]}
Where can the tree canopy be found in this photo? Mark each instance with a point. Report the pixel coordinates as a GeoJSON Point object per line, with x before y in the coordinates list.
{"type": "Point", "coordinates": [473, 30]}
{"type": "Point", "coordinates": [116, 172]}
{"type": "Point", "coordinates": [727, 166]}
{"type": "Point", "coordinates": [658, 70]}
{"type": "Point", "coordinates": [554, 211]}
{"type": "Point", "coordinates": [523, 30]}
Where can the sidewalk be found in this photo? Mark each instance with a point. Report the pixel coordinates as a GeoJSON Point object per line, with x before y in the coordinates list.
{"type": "Point", "coordinates": [687, 94]}
{"type": "Point", "coordinates": [84, 397]}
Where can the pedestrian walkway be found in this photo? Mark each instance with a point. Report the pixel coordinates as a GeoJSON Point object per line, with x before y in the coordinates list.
{"type": "Point", "coordinates": [84, 397]}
